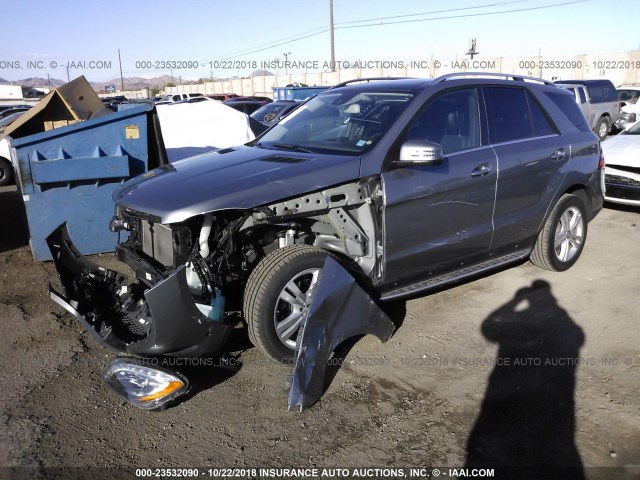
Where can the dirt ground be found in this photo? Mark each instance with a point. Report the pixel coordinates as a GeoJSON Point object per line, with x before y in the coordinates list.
{"type": "Point", "coordinates": [523, 368]}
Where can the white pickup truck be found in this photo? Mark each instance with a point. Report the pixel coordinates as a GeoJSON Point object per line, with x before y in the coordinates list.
{"type": "Point", "coordinates": [598, 100]}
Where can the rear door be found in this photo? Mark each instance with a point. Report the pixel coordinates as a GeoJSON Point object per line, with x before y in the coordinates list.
{"type": "Point", "coordinates": [532, 157]}
{"type": "Point", "coordinates": [438, 217]}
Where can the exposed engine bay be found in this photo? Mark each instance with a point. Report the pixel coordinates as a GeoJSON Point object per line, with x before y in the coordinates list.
{"type": "Point", "coordinates": [189, 274]}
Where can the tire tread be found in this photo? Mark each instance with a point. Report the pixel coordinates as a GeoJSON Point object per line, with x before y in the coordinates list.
{"type": "Point", "coordinates": [542, 254]}
{"type": "Point", "coordinates": [257, 286]}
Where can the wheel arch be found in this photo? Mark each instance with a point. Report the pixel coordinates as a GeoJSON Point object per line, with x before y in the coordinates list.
{"type": "Point", "coordinates": [579, 191]}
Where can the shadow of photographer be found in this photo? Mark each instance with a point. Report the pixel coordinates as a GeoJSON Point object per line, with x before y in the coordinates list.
{"type": "Point", "coordinates": [526, 425]}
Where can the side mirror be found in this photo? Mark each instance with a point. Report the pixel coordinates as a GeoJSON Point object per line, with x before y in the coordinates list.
{"type": "Point", "coordinates": [420, 152]}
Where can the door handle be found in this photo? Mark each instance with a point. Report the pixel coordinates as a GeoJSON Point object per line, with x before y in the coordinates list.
{"type": "Point", "coordinates": [558, 154]}
{"type": "Point", "coordinates": [481, 170]}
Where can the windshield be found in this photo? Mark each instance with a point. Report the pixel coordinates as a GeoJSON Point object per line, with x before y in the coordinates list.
{"type": "Point", "coordinates": [632, 130]}
{"type": "Point", "coordinates": [269, 113]}
{"type": "Point", "coordinates": [629, 96]}
{"type": "Point", "coordinates": [9, 119]}
{"type": "Point", "coordinates": [346, 122]}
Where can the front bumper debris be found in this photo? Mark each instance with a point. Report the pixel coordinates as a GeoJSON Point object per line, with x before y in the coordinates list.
{"type": "Point", "coordinates": [340, 309]}
{"type": "Point", "coordinates": [162, 320]}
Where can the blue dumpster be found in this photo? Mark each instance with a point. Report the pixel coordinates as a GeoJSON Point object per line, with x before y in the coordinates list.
{"type": "Point", "coordinates": [296, 93]}
{"type": "Point", "coordinates": [69, 174]}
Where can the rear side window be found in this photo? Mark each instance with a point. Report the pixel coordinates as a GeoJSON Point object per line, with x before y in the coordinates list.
{"type": "Point", "coordinates": [514, 115]}
{"type": "Point", "coordinates": [567, 104]}
{"type": "Point", "coordinates": [602, 91]}
{"type": "Point", "coordinates": [541, 124]}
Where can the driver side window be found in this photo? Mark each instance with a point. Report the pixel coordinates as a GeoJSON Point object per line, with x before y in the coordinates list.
{"type": "Point", "coordinates": [451, 120]}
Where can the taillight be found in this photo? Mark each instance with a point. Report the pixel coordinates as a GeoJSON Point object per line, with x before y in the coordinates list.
{"type": "Point", "coordinates": [601, 160]}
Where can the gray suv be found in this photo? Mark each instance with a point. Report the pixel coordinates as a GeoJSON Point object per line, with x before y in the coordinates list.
{"type": "Point", "coordinates": [410, 184]}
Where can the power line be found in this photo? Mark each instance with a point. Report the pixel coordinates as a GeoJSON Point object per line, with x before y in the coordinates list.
{"type": "Point", "coordinates": [226, 57]}
{"type": "Point", "coordinates": [320, 30]}
{"type": "Point", "coordinates": [464, 16]}
{"type": "Point", "coordinates": [288, 39]}
{"type": "Point", "coordinates": [350, 24]}
{"type": "Point", "coordinates": [499, 4]}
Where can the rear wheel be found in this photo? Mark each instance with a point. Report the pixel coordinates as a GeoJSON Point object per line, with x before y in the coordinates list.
{"type": "Point", "coordinates": [6, 172]}
{"type": "Point", "coordinates": [562, 238]}
{"type": "Point", "coordinates": [277, 297]}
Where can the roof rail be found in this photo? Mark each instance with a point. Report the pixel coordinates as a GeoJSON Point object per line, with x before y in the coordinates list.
{"type": "Point", "coordinates": [629, 85]}
{"type": "Point", "coordinates": [370, 79]}
{"type": "Point", "coordinates": [504, 76]}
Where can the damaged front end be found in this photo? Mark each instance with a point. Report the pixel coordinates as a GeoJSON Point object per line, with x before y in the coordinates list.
{"type": "Point", "coordinates": [138, 319]}
{"type": "Point", "coordinates": [193, 269]}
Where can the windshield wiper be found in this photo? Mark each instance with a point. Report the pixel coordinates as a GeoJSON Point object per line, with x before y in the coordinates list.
{"type": "Point", "coordinates": [295, 148]}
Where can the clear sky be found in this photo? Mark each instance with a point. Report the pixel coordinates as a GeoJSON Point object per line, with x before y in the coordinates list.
{"type": "Point", "coordinates": [200, 33]}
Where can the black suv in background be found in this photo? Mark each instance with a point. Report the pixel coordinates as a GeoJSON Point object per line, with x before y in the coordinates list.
{"type": "Point", "coordinates": [410, 184]}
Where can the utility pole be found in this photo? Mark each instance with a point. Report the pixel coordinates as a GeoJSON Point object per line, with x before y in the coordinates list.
{"type": "Point", "coordinates": [333, 51]}
{"type": "Point", "coordinates": [472, 50]}
{"type": "Point", "coordinates": [286, 66]}
{"type": "Point", "coordinates": [121, 77]}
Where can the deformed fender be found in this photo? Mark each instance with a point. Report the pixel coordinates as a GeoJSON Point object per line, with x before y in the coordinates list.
{"type": "Point", "coordinates": [339, 309]}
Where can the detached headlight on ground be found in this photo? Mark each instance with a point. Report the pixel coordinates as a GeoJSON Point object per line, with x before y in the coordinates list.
{"type": "Point", "coordinates": [144, 386]}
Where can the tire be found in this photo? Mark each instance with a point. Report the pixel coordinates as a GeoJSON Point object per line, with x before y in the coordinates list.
{"type": "Point", "coordinates": [6, 172]}
{"type": "Point", "coordinates": [563, 236]}
{"type": "Point", "coordinates": [602, 128]}
{"type": "Point", "coordinates": [267, 305]}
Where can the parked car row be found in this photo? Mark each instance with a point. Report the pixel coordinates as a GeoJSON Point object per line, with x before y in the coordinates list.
{"type": "Point", "coordinates": [195, 97]}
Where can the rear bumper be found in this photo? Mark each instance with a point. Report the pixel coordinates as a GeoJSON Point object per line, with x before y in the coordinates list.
{"type": "Point", "coordinates": [595, 196]}
{"type": "Point", "coordinates": [133, 319]}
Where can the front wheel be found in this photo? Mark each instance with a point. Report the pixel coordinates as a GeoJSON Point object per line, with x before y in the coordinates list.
{"type": "Point", "coordinates": [277, 296]}
{"type": "Point", "coordinates": [562, 238]}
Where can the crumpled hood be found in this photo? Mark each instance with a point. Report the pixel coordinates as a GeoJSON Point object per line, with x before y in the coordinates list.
{"type": "Point", "coordinates": [234, 178]}
{"type": "Point", "coordinates": [622, 150]}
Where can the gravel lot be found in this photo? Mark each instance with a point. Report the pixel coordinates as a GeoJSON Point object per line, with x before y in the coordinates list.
{"type": "Point", "coordinates": [484, 373]}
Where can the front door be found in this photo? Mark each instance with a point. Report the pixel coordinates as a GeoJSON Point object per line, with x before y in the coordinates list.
{"type": "Point", "coordinates": [437, 218]}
